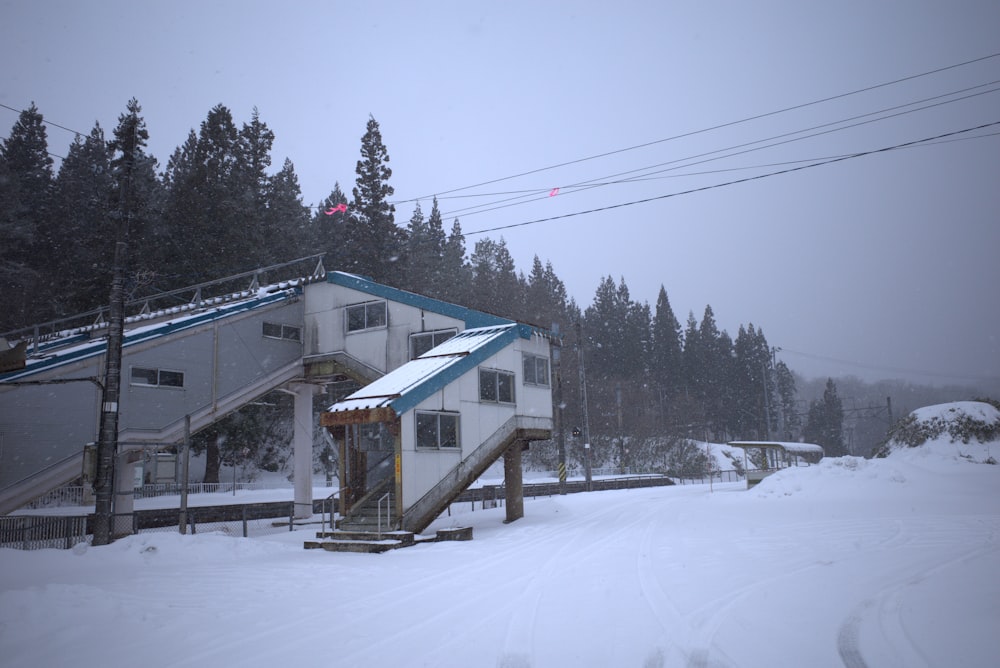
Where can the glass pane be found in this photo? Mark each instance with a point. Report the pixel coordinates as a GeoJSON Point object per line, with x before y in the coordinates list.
{"type": "Point", "coordinates": [542, 374]}
{"type": "Point", "coordinates": [505, 387]}
{"type": "Point", "coordinates": [355, 318]}
{"type": "Point", "coordinates": [291, 333]}
{"type": "Point", "coordinates": [376, 315]}
{"type": "Point", "coordinates": [142, 376]}
{"type": "Point", "coordinates": [420, 344]}
{"type": "Point", "coordinates": [426, 430]}
{"type": "Point", "coordinates": [272, 330]}
{"type": "Point", "coordinates": [441, 337]}
{"type": "Point", "coordinates": [487, 385]}
{"type": "Point", "coordinates": [449, 430]}
{"type": "Point", "coordinates": [529, 369]}
{"type": "Point", "coordinates": [171, 378]}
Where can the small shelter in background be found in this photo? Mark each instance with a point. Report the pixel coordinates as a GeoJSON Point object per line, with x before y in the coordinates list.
{"type": "Point", "coordinates": [775, 455]}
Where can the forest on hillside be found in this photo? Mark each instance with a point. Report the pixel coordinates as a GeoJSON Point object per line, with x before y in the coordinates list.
{"type": "Point", "coordinates": [219, 207]}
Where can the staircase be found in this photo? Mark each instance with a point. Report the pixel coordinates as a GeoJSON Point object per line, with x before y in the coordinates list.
{"type": "Point", "coordinates": [374, 512]}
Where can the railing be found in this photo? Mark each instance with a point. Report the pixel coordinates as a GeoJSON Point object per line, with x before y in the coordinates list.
{"type": "Point", "coordinates": [34, 533]}
{"type": "Point", "coordinates": [330, 499]}
{"type": "Point", "coordinates": [182, 299]}
{"type": "Point", "coordinates": [388, 514]}
{"type": "Point", "coordinates": [73, 495]}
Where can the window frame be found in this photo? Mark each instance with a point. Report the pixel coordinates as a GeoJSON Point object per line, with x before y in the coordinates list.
{"type": "Point", "coordinates": [533, 360]}
{"type": "Point", "coordinates": [366, 306]}
{"type": "Point", "coordinates": [497, 385]}
{"type": "Point", "coordinates": [284, 332]}
{"type": "Point", "coordinates": [433, 334]}
{"type": "Point", "coordinates": [437, 446]}
{"type": "Point", "coordinates": [171, 376]}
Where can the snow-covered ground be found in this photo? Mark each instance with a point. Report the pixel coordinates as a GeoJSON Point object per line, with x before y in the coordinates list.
{"type": "Point", "coordinates": [853, 562]}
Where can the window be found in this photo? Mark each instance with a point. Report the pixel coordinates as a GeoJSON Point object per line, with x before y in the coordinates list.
{"type": "Point", "coordinates": [157, 377]}
{"type": "Point", "coordinates": [536, 370]}
{"type": "Point", "coordinates": [437, 430]}
{"type": "Point", "coordinates": [496, 386]}
{"type": "Point", "coordinates": [424, 341]}
{"type": "Point", "coordinates": [274, 330]}
{"type": "Point", "coordinates": [370, 315]}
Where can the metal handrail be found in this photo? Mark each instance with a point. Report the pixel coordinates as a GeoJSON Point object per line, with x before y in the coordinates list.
{"type": "Point", "coordinates": [96, 317]}
{"type": "Point", "coordinates": [323, 514]}
{"type": "Point", "coordinates": [388, 516]}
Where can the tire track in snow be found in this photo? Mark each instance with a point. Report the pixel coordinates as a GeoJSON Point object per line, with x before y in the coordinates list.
{"type": "Point", "coordinates": [882, 612]}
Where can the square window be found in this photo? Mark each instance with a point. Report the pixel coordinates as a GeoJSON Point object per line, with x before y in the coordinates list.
{"type": "Point", "coordinates": [437, 430]}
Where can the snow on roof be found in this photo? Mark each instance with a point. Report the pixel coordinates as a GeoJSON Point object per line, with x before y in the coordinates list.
{"type": "Point", "coordinates": [84, 347]}
{"type": "Point", "coordinates": [787, 446]}
{"type": "Point", "coordinates": [405, 387]}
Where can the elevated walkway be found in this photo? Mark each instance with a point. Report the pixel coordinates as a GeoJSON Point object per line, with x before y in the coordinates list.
{"type": "Point", "coordinates": [197, 361]}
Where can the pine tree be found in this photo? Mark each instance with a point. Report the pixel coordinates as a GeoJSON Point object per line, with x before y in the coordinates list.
{"type": "Point", "coordinates": [136, 192]}
{"type": "Point", "coordinates": [455, 280]}
{"type": "Point", "coordinates": [329, 229]}
{"type": "Point", "coordinates": [496, 287]}
{"type": "Point", "coordinates": [207, 211]}
{"type": "Point", "coordinates": [423, 253]}
{"type": "Point", "coordinates": [376, 242]}
{"type": "Point", "coordinates": [286, 229]}
{"type": "Point", "coordinates": [25, 194]}
{"type": "Point", "coordinates": [84, 247]}
{"type": "Point", "coordinates": [666, 361]}
{"type": "Point", "coordinates": [825, 423]}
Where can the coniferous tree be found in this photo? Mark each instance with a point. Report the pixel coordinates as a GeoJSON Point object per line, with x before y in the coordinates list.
{"type": "Point", "coordinates": [25, 193]}
{"type": "Point", "coordinates": [456, 273]}
{"type": "Point", "coordinates": [424, 247]}
{"type": "Point", "coordinates": [375, 240]}
{"type": "Point", "coordinates": [208, 212]}
{"type": "Point", "coordinates": [84, 249]}
{"type": "Point", "coordinates": [825, 423]}
{"type": "Point", "coordinates": [496, 287]}
{"type": "Point", "coordinates": [666, 362]}
{"type": "Point", "coordinates": [135, 193]}
{"type": "Point", "coordinates": [789, 421]}
{"type": "Point", "coordinates": [286, 228]}
{"type": "Point", "coordinates": [329, 229]}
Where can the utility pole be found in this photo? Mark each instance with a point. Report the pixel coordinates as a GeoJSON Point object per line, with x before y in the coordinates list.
{"type": "Point", "coordinates": [556, 350]}
{"type": "Point", "coordinates": [586, 417]}
{"type": "Point", "coordinates": [107, 444]}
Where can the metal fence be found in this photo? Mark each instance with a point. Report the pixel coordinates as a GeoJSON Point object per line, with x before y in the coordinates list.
{"type": "Point", "coordinates": [36, 532]}
{"type": "Point", "coordinates": [73, 495]}
{"type": "Point", "coordinates": [32, 532]}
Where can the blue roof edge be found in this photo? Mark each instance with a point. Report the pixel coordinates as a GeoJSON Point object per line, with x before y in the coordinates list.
{"type": "Point", "coordinates": [471, 317]}
{"type": "Point", "coordinates": [100, 345]}
{"type": "Point", "coordinates": [453, 372]}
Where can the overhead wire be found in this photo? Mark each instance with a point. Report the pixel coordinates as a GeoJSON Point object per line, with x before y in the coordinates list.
{"type": "Point", "coordinates": [733, 182]}
{"type": "Point", "coordinates": [731, 150]}
{"type": "Point", "coordinates": [712, 128]}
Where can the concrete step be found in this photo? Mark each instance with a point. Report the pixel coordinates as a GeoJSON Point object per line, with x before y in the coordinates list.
{"type": "Point", "coordinates": [370, 543]}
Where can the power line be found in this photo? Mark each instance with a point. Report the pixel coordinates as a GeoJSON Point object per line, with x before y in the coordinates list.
{"type": "Point", "coordinates": [55, 125]}
{"type": "Point", "coordinates": [787, 137]}
{"type": "Point", "coordinates": [714, 127]}
{"type": "Point", "coordinates": [734, 182]}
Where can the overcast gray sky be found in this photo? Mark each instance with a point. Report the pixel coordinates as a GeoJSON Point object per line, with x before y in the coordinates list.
{"type": "Point", "coordinates": [880, 266]}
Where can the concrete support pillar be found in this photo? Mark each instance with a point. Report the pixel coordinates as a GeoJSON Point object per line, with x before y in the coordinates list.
{"type": "Point", "coordinates": [302, 449]}
{"type": "Point", "coordinates": [513, 481]}
{"type": "Point", "coordinates": [124, 505]}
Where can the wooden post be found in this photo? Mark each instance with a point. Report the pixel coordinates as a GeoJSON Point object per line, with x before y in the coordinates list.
{"type": "Point", "coordinates": [513, 481]}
